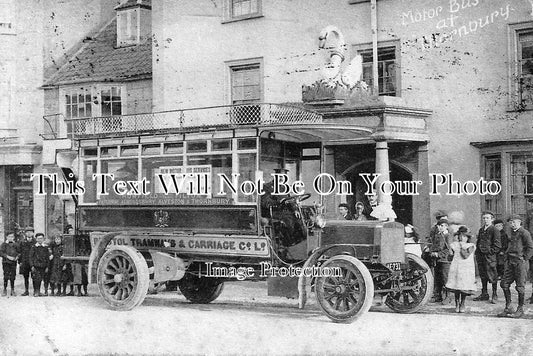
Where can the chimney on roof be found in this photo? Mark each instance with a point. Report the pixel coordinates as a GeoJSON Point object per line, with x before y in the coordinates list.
{"type": "Point", "coordinates": [134, 22]}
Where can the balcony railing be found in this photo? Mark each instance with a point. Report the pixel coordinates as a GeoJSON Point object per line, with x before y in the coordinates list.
{"type": "Point", "coordinates": [191, 119]}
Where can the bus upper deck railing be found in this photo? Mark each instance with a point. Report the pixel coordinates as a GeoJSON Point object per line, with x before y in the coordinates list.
{"type": "Point", "coordinates": [214, 117]}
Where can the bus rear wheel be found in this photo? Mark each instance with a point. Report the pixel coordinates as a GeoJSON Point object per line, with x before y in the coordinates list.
{"type": "Point", "coordinates": [200, 290]}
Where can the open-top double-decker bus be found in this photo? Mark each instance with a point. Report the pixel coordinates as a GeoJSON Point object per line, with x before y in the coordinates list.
{"type": "Point", "coordinates": [169, 199]}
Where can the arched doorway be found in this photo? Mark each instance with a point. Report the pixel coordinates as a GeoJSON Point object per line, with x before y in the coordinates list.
{"type": "Point", "coordinates": [402, 204]}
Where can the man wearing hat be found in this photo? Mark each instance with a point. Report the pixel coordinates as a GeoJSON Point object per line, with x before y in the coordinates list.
{"type": "Point", "coordinates": [487, 248]}
{"type": "Point", "coordinates": [519, 251]}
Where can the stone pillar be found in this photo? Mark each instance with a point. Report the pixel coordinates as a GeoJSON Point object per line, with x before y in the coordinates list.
{"type": "Point", "coordinates": [330, 201]}
{"type": "Point", "coordinates": [421, 203]}
{"type": "Point", "coordinates": [383, 211]}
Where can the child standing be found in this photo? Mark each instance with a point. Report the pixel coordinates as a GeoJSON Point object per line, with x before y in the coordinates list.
{"type": "Point", "coordinates": [24, 259]}
{"type": "Point", "coordinates": [462, 277]}
{"type": "Point", "coordinates": [39, 262]}
{"type": "Point", "coordinates": [9, 251]}
{"type": "Point", "coordinates": [57, 266]}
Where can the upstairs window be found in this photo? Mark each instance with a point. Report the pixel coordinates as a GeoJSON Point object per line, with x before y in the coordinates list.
{"type": "Point", "coordinates": [521, 66]}
{"type": "Point", "coordinates": [241, 9]}
{"type": "Point", "coordinates": [525, 68]}
{"type": "Point", "coordinates": [93, 101]}
{"type": "Point", "coordinates": [111, 101]}
{"type": "Point", "coordinates": [7, 15]}
{"type": "Point", "coordinates": [78, 103]}
{"type": "Point", "coordinates": [386, 70]}
{"type": "Point", "coordinates": [246, 84]}
{"type": "Point", "coordinates": [128, 27]}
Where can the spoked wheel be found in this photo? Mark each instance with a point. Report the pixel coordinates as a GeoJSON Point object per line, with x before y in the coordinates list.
{"type": "Point", "coordinates": [123, 277]}
{"type": "Point", "coordinates": [200, 290]}
{"type": "Point", "coordinates": [415, 287]}
{"type": "Point", "coordinates": [347, 297]}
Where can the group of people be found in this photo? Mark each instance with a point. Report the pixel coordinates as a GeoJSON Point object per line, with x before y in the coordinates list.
{"type": "Point", "coordinates": [40, 259]}
{"type": "Point", "coordinates": [501, 253]}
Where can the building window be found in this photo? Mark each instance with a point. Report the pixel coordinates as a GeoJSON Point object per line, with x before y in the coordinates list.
{"type": "Point", "coordinates": [246, 87]}
{"type": "Point", "coordinates": [525, 68]}
{"type": "Point", "coordinates": [521, 81]}
{"type": "Point", "coordinates": [521, 183]}
{"type": "Point", "coordinates": [246, 84]}
{"type": "Point", "coordinates": [78, 103]}
{"type": "Point", "coordinates": [387, 77]}
{"type": "Point", "coordinates": [493, 172]}
{"type": "Point", "coordinates": [7, 15]}
{"type": "Point", "coordinates": [241, 9]}
{"type": "Point", "coordinates": [128, 27]}
{"type": "Point", "coordinates": [93, 101]}
{"type": "Point", "coordinates": [111, 101]}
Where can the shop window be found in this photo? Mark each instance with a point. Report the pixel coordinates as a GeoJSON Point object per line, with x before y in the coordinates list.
{"type": "Point", "coordinates": [173, 148]}
{"type": "Point", "coordinates": [221, 145]}
{"type": "Point", "coordinates": [197, 146]}
{"type": "Point", "coordinates": [154, 149]}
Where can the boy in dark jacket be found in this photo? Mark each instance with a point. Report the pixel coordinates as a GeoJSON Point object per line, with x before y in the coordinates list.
{"type": "Point", "coordinates": [24, 259]}
{"type": "Point", "coordinates": [440, 252]}
{"type": "Point", "coordinates": [40, 257]}
{"type": "Point", "coordinates": [9, 251]}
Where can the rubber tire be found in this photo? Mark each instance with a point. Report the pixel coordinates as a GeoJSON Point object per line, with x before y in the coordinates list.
{"type": "Point", "coordinates": [140, 273]}
{"type": "Point", "coordinates": [364, 279]}
{"type": "Point", "coordinates": [427, 279]}
{"type": "Point", "coordinates": [200, 290]}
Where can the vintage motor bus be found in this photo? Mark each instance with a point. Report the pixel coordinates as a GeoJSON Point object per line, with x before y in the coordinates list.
{"type": "Point", "coordinates": [185, 204]}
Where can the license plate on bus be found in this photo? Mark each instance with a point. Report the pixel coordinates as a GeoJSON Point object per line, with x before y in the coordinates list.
{"type": "Point", "coordinates": [394, 266]}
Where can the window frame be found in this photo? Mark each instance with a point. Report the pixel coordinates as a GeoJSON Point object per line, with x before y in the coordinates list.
{"type": "Point", "coordinates": [228, 11]}
{"type": "Point", "coordinates": [234, 153]}
{"type": "Point", "coordinates": [127, 15]}
{"type": "Point", "coordinates": [395, 44]}
{"type": "Point", "coordinates": [506, 153]}
{"type": "Point", "coordinates": [7, 23]}
{"type": "Point", "coordinates": [232, 65]}
{"type": "Point", "coordinates": [95, 91]}
{"type": "Point", "coordinates": [515, 102]}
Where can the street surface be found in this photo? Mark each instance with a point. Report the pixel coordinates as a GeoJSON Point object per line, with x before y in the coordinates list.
{"type": "Point", "coordinates": [245, 321]}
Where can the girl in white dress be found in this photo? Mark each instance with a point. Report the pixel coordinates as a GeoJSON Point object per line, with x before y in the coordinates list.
{"type": "Point", "coordinates": [462, 275]}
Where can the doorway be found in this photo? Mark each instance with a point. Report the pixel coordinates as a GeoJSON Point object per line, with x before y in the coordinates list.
{"type": "Point", "coordinates": [402, 204]}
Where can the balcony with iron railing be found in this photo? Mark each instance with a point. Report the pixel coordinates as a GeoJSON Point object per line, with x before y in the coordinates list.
{"type": "Point", "coordinates": [214, 117]}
